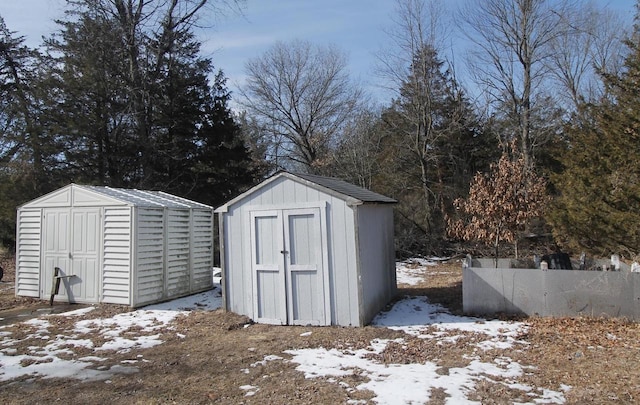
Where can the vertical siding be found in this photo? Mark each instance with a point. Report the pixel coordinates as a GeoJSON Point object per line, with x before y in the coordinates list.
{"type": "Point", "coordinates": [149, 271]}
{"type": "Point", "coordinates": [117, 260]}
{"type": "Point", "coordinates": [238, 289]}
{"type": "Point", "coordinates": [177, 254]}
{"type": "Point", "coordinates": [345, 294]}
{"type": "Point", "coordinates": [377, 258]}
{"type": "Point", "coordinates": [28, 253]}
{"type": "Point", "coordinates": [201, 249]}
{"type": "Point", "coordinates": [343, 278]}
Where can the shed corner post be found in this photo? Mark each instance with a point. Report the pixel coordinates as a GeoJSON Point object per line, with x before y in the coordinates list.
{"type": "Point", "coordinates": [190, 266]}
{"type": "Point", "coordinates": [17, 255]}
{"type": "Point", "coordinates": [223, 265]}
{"type": "Point", "coordinates": [165, 252]}
{"type": "Point", "coordinates": [133, 257]}
{"type": "Point", "coordinates": [358, 269]}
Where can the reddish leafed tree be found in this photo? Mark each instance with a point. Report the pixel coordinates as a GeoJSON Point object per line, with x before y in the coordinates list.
{"type": "Point", "coordinates": [500, 204]}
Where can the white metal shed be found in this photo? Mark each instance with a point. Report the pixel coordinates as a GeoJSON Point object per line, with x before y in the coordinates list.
{"type": "Point", "coordinates": [119, 246]}
{"type": "Point", "coordinates": [299, 249]}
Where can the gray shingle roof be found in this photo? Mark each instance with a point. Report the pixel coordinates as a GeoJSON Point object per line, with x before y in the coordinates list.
{"type": "Point", "coordinates": [345, 188]}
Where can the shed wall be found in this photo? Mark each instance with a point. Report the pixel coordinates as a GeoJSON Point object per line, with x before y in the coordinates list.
{"type": "Point", "coordinates": [117, 259]}
{"type": "Point", "coordinates": [201, 249]}
{"type": "Point", "coordinates": [174, 256]}
{"type": "Point", "coordinates": [178, 242]}
{"type": "Point", "coordinates": [285, 193]}
{"type": "Point", "coordinates": [149, 265]}
{"type": "Point", "coordinates": [377, 258]}
{"type": "Point", "coordinates": [139, 255]}
{"type": "Point", "coordinates": [29, 231]}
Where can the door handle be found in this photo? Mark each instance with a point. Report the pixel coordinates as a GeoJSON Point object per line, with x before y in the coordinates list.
{"type": "Point", "coordinates": [284, 252]}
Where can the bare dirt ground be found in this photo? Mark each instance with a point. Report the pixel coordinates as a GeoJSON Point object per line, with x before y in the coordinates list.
{"type": "Point", "coordinates": [598, 358]}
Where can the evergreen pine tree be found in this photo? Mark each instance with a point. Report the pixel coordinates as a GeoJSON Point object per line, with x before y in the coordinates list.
{"type": "Point", "coordinates": [598, 208]}
{"type": "Point", "coordinates": [433, 148]}
{"type": "Point", "coordinates": [28, 153]}
{"type": "Point", "coordinates": [138, 106]}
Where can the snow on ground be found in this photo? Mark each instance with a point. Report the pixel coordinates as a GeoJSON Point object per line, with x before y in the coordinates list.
{"type": "Point", "coordinates": [412, 383]}
{"type": "Point", "coordinates": [414, 271]}
{"type": "Point", "coordinates": [390, 383]}
{"type": "Point", "coordinates": [412, 315]}
{"type": "Point", "coordinates": [51, 359]}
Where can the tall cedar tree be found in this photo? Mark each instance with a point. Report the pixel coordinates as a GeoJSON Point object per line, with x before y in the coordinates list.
{"type": "Point", "coordinates": [598, 208]}
{"type": "Point", "coordinates": [223, 165]}
{"type": "Point", "coordinates": [500, 204]}
{"type": "Point", "coordinates": [87, 84]}
{"type": "Point", "coordinates": [28, 153]}
{"type": "Point", "coordinates": [433, 147]}
{"type": "Point", "coordinates": [150, 121]}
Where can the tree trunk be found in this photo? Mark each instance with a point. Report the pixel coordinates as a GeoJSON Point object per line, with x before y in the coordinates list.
{"type": "Point", "coordinates": [496, 244]}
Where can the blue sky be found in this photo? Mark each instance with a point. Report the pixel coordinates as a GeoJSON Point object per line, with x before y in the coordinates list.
{"type": "Point", "coordinates": [355, 26]}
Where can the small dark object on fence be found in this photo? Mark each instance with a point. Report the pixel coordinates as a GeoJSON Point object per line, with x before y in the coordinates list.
{"type": "Point", "coordinates": [558, 261]}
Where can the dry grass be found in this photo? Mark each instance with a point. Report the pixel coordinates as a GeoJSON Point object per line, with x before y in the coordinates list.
{"type": "Point", "coordinates": [598, 358]}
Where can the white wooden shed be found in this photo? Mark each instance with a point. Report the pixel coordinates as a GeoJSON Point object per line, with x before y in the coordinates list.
{"type": "Point", "coordinates": [300, 249]}
{"type": "Point", "coordinates": [119, 246]}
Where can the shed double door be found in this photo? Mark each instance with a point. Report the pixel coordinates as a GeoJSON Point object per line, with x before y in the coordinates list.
{"type": "Point", "coordinates": [288, 270]}
{"type": "Point", "coordinates": [71, 240]}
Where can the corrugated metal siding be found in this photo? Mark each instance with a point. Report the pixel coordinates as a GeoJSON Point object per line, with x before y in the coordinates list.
{"type": "Point", "coordinates": [150, 255]}
{"type": "Point", "coordinates": [178, 241]}
{"type": "Point", "coordinates": [116, 277]}
{"type": "Point", "coordinates": [28, 253]}
{"type": "Point", "coordinates": [201, 249]}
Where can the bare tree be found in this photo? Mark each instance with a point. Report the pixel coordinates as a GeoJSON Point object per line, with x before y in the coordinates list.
{"type": "Point", "coordinates": [414, 72]}
{"type": "Point", "coordinates": [416, 25]}
{"type": "Point", "coordinates": [430, 108]}
{"type": "Point", "coordinates": [513, 40]}
{"type": "Point", "coordinates": [303, 95]}
{"type": "Point", "coordinates": [358, 153]}
{"type": "Point", "coordinates": [591, 42]}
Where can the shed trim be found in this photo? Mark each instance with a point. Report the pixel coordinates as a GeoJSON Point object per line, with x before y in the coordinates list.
{"type": "Point", "coordinates": [223, 261]}
{"type": "Point", "coordinates": [361, 308]}
{"type": "Point", "coordinates": [270, 207]}
{"type": "Point", "coordinates": [312, 181]}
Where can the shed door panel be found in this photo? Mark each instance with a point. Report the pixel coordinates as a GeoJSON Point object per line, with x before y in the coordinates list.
{"type": "Point", "coordinates": [85, 245]}
{"type": "Point", "coordinates": [287, 267]}
{"type": "Point", "coordinates": [268, 267]}
{"type": "Point", "coordinates": [55, 246]}
{"type": "Point", "coordinates": [305, 290]}
{"type": "Point", "coordinates": [71, 242]}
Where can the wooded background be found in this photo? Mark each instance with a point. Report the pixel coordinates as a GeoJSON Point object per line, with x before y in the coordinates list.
{"type": "Point", "coordinates": [121, 95]}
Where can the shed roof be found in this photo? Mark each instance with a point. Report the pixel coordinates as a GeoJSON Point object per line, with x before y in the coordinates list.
{"type": "Point", "coordinates": [347, 191]}
{"type": "Point", "coordinates": [345, 188]}
{"type": "Point", "coordinates": [100, 195]}
{"type": "Point", "coordinates": [146, 198]}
